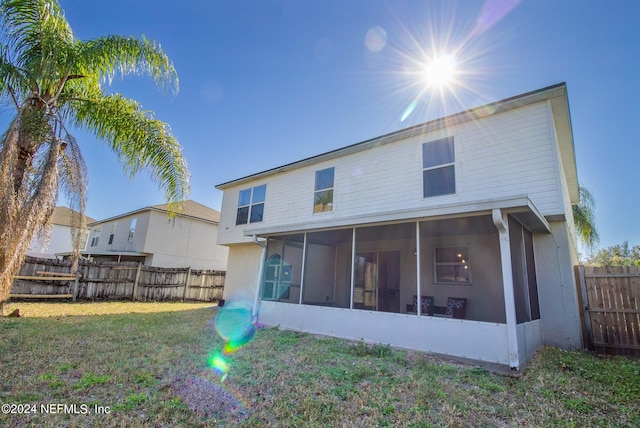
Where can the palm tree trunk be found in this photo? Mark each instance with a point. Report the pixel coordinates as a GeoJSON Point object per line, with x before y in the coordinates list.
{"type": "Point", "coordinates": [23, 212]}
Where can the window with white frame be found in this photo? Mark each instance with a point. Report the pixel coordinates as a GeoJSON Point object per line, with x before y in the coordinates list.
{"type": "Point", "coordinates": [85, 240]}
{"type": "Point", "coordinates": [132, 228]}
{"type": "Point", "coordinates": [251, 205]}
{"type": "Point", "coordinates": [452, 265]}
{"type": "Point", "coordinates": [438, 168]}
{"type": "Point", "coordinates": [113, 233]}
{"type": "Point", "coordinates": [323, 191]}
{"type": "Point", "coordinates": [95, 237]}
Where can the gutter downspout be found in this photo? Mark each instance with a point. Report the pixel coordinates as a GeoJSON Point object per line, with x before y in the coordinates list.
{"type": "Point", "coordinates": [254, 312]}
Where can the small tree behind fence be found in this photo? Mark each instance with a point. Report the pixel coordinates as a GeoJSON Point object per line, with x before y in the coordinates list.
{"type": "Point", "coordinates": [110, 280]}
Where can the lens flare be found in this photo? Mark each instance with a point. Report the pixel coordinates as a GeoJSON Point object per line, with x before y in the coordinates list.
{"type": "Point", "coordinates": [409, 109]}
{"type": "Point", "coordinates": [219, 363]}
{"type": "Point", "coordinates": [376, 39]}
{"type": "Point", "coordinates": [492, 12]}
{"type": "Point", "coordinates": [234, 324]}
{"type": "Point", "coordinates": [233, 345]}
{"type": "Point", "coordinates": [234, 320]}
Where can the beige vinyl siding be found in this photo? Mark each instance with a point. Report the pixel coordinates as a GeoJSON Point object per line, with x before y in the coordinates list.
{"type": "Point", "coordinates": [507, 154]}
{"type": "Point", "coordinates": [120, 239]}
{"type": "Point", "coordinates": [183, 242]}
{"type": "Point", "coordinates": [241, 281]}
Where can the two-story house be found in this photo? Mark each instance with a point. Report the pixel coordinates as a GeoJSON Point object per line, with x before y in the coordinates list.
{"type": "Point", "coordinates": [454, 236]}
{"type": "Point", "coordinates": [60, 235]}
{"type": "Point", "coordinates": [149, 236]}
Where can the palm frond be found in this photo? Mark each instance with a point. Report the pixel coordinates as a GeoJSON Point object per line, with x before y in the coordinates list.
{"type": "Point", "coordinates": [584, 218]}
{"type": "Point", "coordinates": [41, 39]}
{"type": "Point", "coordinates": [10, 78]}
{"type": "Point", "coordinates": [113, 55]}
{"type": "Point", "coordinates": [73, 184]}
{"type": "Point", "coordinates": [26, 213]}
{"type": "Point", "coordinates": [140, 141]}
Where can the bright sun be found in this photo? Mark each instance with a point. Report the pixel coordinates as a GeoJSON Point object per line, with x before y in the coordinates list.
{"type": "Point", "coordinates": [441, 71]}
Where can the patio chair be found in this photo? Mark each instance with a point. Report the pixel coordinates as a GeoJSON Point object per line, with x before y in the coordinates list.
{"type": "Point", "coordinates": [456, 307]}
{"type": "Point", "coordinates": [426, 305]}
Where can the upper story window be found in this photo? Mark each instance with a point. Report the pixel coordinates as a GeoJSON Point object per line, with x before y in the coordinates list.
{"type": "Point", "coordinates": [113, 232]}
{"type": "Point", "coordinates": [452, 265]}
{"type": "Point", "coordinates": [438, 163]}
{"type": "Point", "coordinates": [132, 228]}
{"type": "Point", "coordinates": [95, 237]}
{"type": "Point", "coordinates": [323, 195]}
{"type": "Point", "coordinates": [251, 205]}
{"type": "Point", "coordinates": [85, 240]}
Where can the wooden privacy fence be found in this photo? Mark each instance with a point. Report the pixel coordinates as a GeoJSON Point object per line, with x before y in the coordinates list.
{"type": "Point", "coordinates": [611, 300]}
{"type": "Point", "coordinates": [47, 278]}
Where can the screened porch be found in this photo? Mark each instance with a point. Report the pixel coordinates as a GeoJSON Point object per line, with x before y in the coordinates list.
{"type": "Point", "coordinates": [454, 265]}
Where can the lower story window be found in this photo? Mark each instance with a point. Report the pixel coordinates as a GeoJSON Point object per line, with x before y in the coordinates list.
{"type": "Point", "coordinates": [452, 265]}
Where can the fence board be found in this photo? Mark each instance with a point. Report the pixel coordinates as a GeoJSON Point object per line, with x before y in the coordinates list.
{"type": "Point", "coordinates": [613, 307]}
{"type": "Point", "coordinates": [104, 280]}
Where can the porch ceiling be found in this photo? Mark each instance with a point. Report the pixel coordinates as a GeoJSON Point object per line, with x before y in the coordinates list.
{"type": "Point", "coordinates": [520, 207]}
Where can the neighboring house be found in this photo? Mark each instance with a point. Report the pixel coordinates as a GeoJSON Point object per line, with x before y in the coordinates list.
{"type": "Point", "coordinates": [471, 211]}
{"type": "Point", "coordinates": [60, 237]}
{"type": "Point", "coordinates": [149, 236]}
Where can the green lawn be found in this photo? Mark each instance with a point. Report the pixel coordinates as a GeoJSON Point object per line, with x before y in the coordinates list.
{"type": "Point", "coordinates": [146, 364]}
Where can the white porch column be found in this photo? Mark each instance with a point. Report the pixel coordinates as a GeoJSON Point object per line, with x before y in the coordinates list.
{"type": "Point", "coordinates": [304, 259]}
{"type": "Point", "coordinates": [353, 264]}
{"type": "Point", "coordinates": [418, 307]}
{"type": "Point", "coordinates": [502, 224]}
{"type": "Point", "coordinates": [256, 300]}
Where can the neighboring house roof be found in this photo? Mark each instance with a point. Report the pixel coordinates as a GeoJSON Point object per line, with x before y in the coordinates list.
{"type": "Point", "coordinates": [188, 208]}
{"type": "Point", "coordinates": [62, 217]}
{"type": "Point", "coordinates": [559, 108]}
{"type": "Point", "coordinates": [194, 209]}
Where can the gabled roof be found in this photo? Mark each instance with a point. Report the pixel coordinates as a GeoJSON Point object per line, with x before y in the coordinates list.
{"type": "Point", "coordinates": [62, 216]}
{"type": "Point", "coordinates": [194, 209]}
{"type": "Point", "coordinates": [557, 94]}
{"type": "Point", "coordinates": [188, 208]}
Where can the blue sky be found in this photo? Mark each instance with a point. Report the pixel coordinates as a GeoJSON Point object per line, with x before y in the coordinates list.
{"type": "Point", "coordinates": [264, 83]}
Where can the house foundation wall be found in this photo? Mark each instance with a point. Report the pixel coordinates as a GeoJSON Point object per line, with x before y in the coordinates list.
{"type": "Point", "coordinates": [529, 340]}
{"type": "Point", "coordinates": [475, 340]}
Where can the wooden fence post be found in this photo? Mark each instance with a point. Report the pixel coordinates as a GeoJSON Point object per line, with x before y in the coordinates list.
{"type": "Point", "coordinates": [135, 283]}
{"type": "Point", "coordinates": [584, 307]}
{"type": "Point", "coordinates": [75, 284]}
{"type": "Point", "coordinates": [186, 284]}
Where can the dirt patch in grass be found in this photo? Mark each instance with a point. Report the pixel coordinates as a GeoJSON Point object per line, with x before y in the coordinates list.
{"type": "Point", "coordinates": [209, 399]}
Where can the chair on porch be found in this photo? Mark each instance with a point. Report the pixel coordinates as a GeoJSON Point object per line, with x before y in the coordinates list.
{"type": "Point", "coordinates": [456, 307]}
{"type": "Point", "coordinates": [426, 305]}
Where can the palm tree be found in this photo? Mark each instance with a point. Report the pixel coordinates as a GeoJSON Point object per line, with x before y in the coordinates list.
{"type": "Point", "coordinates": [584, 218]}
{"type": "Point", "coordinates": [53, 81]}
